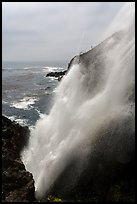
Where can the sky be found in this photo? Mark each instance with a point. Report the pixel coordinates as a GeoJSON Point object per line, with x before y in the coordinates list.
{"type": "Point", "coordinates": [53, 31]}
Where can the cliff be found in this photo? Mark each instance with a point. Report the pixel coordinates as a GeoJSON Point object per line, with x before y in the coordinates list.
{"type": "Point", "coordinates": [109, 171]}
{"type": "Point", "coordinates": [17, 183]}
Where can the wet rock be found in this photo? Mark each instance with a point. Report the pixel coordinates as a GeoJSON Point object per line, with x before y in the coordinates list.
{"type": "Point", "coordinates": [56, 74]}
{"type": "Point", "coordinates": [59, 75]}
{"type": "Point", "coordinates": [17, 183]}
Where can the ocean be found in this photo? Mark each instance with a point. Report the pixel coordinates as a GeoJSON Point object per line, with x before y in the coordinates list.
{"type": "Point", "coordinates": [27, 93]}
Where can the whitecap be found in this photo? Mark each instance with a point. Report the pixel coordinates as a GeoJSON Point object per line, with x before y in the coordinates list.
{"type": "Point", "coordinates": [22, 122]}
{"type": "Point", "coordinates": [4, 102]}
{"type": "Point", "coordinates": [24, 103]}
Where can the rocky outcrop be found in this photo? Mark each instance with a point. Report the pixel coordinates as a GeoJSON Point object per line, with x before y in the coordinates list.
{"type": "Point", "coordinates": [59, 75]}
{"type": "Point", "coordinates": [17, 183]}
{"type": "Point", "coordinates": [56, 74]}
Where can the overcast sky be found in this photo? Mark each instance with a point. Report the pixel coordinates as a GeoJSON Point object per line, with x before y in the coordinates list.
{"type": "Point", "coordinates": [53, 31]}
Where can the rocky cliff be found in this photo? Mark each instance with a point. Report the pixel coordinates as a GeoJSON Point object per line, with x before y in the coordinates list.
{"type": "Point", "coordinates": [17, 183]}
{"type": "Point", "coordinates": [110, 172]}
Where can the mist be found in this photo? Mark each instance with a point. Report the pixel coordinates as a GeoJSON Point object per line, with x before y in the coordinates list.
{"type": "Point", "coordinates": [95, 96]}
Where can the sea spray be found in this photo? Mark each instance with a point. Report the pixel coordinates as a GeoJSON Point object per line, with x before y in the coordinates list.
{"type": "Point", "coordinates": [95, 92]}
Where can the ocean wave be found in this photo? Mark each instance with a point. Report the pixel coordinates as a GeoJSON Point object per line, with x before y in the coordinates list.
{"type": "Point", "coordinates": [4, 102]}
{"type": "Point", "coordinates": [52, 79]}
{"type": "Point", "coordinates": [52, 69]}
{"type": "Point", "coordinates": [27, 68]}
{"type": "Point", "coordinates": [22, 122]}
{"type": "Point", "coordinates": [41, 115]}
{"type": "Point", "coordinates": [12, 118]}
{"type": "Point", "coordinates": [25, 103]}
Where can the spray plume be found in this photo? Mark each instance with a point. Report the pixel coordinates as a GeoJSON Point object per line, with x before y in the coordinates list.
{"type": "Point", "coordinates": [95, 92]}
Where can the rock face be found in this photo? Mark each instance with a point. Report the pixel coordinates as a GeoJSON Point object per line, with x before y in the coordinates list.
{"type": "Point", "coordinates": [17, 183]}
{"type": "Point", "coordinates": [109, 173]}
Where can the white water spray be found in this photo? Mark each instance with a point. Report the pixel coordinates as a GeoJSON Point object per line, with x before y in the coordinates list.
{"type": "Point", "coordinates": [88, 97]}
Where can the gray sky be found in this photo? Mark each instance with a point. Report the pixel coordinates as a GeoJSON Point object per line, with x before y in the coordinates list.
{"type": "Point", "coordinates": [53, 31]}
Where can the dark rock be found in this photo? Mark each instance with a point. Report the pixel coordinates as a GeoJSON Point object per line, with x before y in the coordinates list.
{"type": "Point", "coordinates": [12, 131]}
{"type": "Point", "coordinates": [60, 74]}
{"type": "Point", "coordinates": [56, 74]}
{"type": "Point", "coordinates": [17, 183]}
